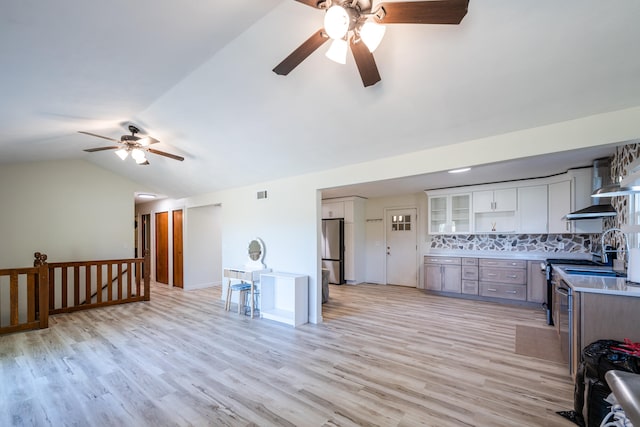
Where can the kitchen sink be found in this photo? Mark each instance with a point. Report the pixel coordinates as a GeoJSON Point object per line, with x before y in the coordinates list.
{"type": "Point", "coordinates": [594, 272]}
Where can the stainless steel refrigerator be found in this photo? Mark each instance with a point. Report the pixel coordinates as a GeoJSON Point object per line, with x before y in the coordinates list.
{"type": "Point", "coordinates": [333, 249]}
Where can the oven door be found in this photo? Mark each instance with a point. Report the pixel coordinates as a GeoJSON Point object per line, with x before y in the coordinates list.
{"type": "Point", "coordinates": [562, 311]}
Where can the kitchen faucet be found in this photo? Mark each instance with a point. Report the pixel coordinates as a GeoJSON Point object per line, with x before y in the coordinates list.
{"type": "Point", "coordinates": [626, 245]}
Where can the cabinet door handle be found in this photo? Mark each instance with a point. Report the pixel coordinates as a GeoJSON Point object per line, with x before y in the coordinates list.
{"type": "Point", "coordinates": [513, 276]}
{"type": "Point", "coordinates": [491, 274]}
{"type": "Point", "coordinates": [511, 292]}
{"type": "Point", "coordinates": [514, 263]}
{"type": "Point", "coordinates": [492, 290]}
{"type": "Point", "coordinates": [491, 263]}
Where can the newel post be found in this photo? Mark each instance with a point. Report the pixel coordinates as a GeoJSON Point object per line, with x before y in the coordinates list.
{"type": "Point", "coordinates": [42, 293]}
{"type": "Point", "coordinates": [147, 275]}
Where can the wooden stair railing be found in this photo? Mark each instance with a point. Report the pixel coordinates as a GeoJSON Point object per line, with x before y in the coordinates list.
{"type": "Point", "coordinates": [74, 285]}
{"type": "Point", "coordinates": [30, 285]}
{"type": "Point", "coordinates": [35, 293]}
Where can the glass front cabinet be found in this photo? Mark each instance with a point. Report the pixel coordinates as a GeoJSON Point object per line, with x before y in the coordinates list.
{"type": "Point", "coordinates": [450, 214]}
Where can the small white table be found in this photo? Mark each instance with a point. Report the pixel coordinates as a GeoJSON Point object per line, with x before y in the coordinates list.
{"type": "Point", "coordinates": [244, 275]}
{"type": "Point", "coordinates": [284, 297]}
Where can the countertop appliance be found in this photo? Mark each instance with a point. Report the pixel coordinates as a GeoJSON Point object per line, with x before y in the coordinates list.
{"type": "Point", "coordinates": [333, 249]}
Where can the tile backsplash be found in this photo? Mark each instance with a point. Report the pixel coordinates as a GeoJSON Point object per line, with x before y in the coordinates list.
{"type": "Point", "coordinates": [574, 243]}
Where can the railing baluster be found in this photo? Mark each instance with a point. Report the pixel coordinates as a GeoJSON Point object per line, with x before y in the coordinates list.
{"type": "Point", "coordinates": [129, 276]}
{"type": "Point", "coordinates": [87, 284]}
{"type": "Point", "coordinates": [99, 283]}
{"type": "Point", "coordinates": [109, 282]}
{"type": "Point", "coordinates": [52, 290]}
{"type": "Point", "coordinates": [31, 297]}
{"type": "Point", "coordinates": [76, 285]}
{"type": "Point", "coordinates": [14, 318]}
{"type": "Point", "coordinates": [119, 281]}
{"type": "Point", "coordinates": [65, 287]}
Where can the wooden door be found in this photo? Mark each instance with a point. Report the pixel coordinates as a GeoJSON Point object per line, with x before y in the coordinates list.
{"type": "Point", "coordinates": [402, 247]}
{"type": "Point", "coordinates": [178, 266]}
{"type": "Point", "coordinates": [162, 247]}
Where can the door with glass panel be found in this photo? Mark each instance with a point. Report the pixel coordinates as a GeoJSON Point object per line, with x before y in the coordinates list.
{"type": "Point", "coordinates": [401, 238]}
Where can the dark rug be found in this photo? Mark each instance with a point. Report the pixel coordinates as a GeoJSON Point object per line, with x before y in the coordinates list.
{"type": "Point", "coordinates": [572, 416]}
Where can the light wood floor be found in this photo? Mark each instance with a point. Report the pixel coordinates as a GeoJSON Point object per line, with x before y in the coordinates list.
{"type": "Point", "coordinates": [385, 355]}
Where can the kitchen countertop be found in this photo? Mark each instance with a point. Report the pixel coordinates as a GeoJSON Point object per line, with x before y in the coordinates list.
{"type": "Point", "coordinates": [626, 388]}
{"type": "Point", "coordinates": [598, 284]}
{"type": "Point", "coordinates": [527, 255]}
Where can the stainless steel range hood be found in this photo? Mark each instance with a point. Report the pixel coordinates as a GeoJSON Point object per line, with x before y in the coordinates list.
{"type": "Point", "coordinates": [601, 178]}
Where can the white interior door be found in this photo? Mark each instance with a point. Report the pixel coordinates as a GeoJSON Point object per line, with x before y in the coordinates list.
{"type": "Point", "coordinates": [401, 237]}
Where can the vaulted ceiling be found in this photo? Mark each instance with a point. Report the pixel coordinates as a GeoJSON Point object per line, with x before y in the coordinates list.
{"type": "Point", "coordinates": [197, 76]}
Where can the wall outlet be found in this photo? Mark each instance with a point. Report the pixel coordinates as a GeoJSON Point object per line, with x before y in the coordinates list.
{"type": "Point", "coordinates": [561, 245]}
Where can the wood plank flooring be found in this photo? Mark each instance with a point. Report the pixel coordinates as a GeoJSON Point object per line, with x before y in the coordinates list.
{"type": "Point", "coordinates": [384, 356]}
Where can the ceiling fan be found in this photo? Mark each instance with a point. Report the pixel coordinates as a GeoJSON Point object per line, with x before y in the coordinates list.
{"type": "Point", "coordinates": [355, 23]}
{"type": "Point", "coordinates": [132, 144]}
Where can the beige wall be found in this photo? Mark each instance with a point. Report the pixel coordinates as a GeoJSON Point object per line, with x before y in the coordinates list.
{"type": "Point", "coordinates": [71, 210]}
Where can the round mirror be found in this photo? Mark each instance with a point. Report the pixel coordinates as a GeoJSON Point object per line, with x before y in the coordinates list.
{"type": "Point", "coordinates": [255, 250]}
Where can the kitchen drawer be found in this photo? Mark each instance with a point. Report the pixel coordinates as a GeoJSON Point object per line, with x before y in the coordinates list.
{"type": "Point", "coordinates": [503, 290]}
{"type": "Point", "coordinates": [501, 263]}
{"type": "Point", "coordinates": [441, 260]}
{"type": "Point", "coordinates": [469, 273]}
{"type": "Point", "coordinates": [470, 287]}
{"type": "Point", "coordinates": [503, 275]}
{"type": "Point", "coordinates": [469, 261]}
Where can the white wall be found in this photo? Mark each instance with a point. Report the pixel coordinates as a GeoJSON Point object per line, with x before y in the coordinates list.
{"type": "Point", "coordinates": [202, 247]}
{"type": "Point", "coordinates": [71, 210]}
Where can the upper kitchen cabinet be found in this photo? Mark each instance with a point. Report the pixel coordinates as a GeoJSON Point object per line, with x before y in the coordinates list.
{"type": "Point", "coordinates": [495, 200]}
{"type": "Point", "coordinates": [495, 210]}
{"type": "Point", "coordinates": [559, 206]}
{"type": "Point", "coordinates": [450, 214]}
{"type": "Point", "coordinates": [532, 209]}
{"type": "Point", "coordinates": [332, 210]}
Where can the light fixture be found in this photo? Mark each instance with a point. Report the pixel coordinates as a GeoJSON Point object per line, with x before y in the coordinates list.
{"type": "Point", "coordinates": [122, 153]}
{"type": "Point", "coordinates": [338, 51]}
{"type": "Point", "coordinates": [146, 196]}
{"type": "Point", "coordinates": [371, 34]}
{"type": "Point", "coordinates": [336, 22]}
{"type": "Point", "coordinates": [459, 170]}
{"type": "Point", "coordinates": [145, 141]}
{"type": "Point", "coordinates": [137, 154]}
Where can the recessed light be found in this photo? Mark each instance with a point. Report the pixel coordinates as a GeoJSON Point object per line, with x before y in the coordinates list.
{"type": "Point", "coordinates": [459, 170]}
{"type": "Point", "coordinates": [147, 196]}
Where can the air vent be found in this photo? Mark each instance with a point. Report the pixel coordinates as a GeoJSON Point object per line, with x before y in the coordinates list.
{"type": "Point", "coordinates": [262, 194]}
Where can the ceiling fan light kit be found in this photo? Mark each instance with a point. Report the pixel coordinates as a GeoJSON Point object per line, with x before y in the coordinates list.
{"type": "Point", "coordinates": [356, 22]}
{"type": "Point", "coordinates": [136, 145]}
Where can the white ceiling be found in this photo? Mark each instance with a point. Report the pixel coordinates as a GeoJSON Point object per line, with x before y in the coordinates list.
{"type": "Point", "coordinates": [197, 76]}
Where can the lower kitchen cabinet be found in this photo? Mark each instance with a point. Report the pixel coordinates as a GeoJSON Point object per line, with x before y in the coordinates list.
{"type": "Point", "coordinates": [536, 282]}
{"type": "Point", "coordinates": [443, 274]}
{"type": "Point", "coordinates": [513, 280]}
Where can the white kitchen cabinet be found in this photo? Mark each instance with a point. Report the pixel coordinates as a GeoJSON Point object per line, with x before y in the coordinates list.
{"type": "Point", "coordinates": [499, 200]}
{"type": "Point", "coordinates": [559, 206]}
{"type": "Point", "coordinates": [532, 209]}
{"type": "Point", "coordinates": [332, 210]}
{"type": "Point", "coordinates": [349, 255]}
{"type": "Point", "coordinates": [450, 214]}
{"type": "Point", "coordinates": [284, 297]}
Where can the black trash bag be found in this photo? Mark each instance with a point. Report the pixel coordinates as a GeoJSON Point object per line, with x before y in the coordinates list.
{"type": "Point", "coordinates": [591, 387]}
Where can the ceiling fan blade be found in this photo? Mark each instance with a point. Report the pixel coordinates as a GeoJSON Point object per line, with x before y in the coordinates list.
{"type": "Point", "coordinates": [92, 150]}
{"type": "Point", "coordinates": [99, 136]}
{"type": "Point", "coordinates": [424, 12]}
{"type": "Point", "coordinates": [312, 3]}
{"type": "Point", "coordinates": [365, 62]}
{"type": "Point", "coordinates": [301, 53]}
{"type": "Point", "coordinates": [162, 153]}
